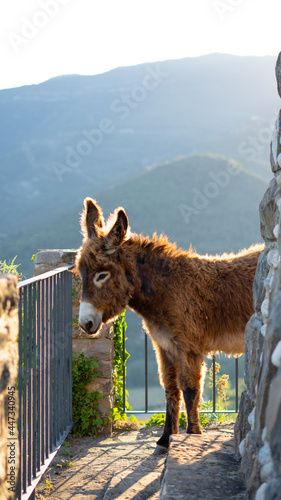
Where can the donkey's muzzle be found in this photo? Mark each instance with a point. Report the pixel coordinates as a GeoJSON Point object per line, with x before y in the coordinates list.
{"type": "Point", "coordinates": [90, 319]}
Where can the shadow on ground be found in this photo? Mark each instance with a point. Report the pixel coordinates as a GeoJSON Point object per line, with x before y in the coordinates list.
{"type": "Point", "coordinates": [122, 466]}
{"type": "Point", "coordinates": [105, 468]}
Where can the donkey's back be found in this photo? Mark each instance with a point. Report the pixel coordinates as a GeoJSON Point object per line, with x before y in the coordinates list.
{"type": "Point", "coordinates": [222, 301]}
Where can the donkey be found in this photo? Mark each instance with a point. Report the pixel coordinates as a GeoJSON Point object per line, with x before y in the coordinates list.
{"type": "Point", "coordinates": [191, 305]}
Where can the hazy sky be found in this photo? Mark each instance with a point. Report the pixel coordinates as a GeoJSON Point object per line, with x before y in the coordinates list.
{"type": "Point", "coordinates": [41, 39]}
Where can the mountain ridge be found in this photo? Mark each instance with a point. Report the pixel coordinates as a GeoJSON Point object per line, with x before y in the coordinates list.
{"type": "Point", "coordinates": [214, 103]}
{"type": "Point", "coordinates": [164, 199]}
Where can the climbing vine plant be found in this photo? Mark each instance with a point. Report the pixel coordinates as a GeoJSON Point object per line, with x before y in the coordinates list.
{"type": "Point", "coordinates": [85, 405]}
{"type": "Point", "coordinates": [85, 413]}
{"type": "Point", "coordinates": [119, 367]}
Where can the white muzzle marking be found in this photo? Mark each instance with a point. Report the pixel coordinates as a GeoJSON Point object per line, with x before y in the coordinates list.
{"type": "Point", "coordinates": [90, 319]}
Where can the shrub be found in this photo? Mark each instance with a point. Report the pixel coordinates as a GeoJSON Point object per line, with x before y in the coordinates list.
{"type": "Point", "coordinates": [85, 413]}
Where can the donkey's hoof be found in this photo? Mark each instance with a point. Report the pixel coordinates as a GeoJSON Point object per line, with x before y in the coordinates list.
{"type": "Point", "coordinates": [160, 450]}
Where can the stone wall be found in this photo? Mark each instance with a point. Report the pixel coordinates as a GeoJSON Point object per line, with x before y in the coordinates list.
{"type": "Point", "coordinates": [9, 328]}
{"type": "Point", "coordinates": [100, 344]}
{"type": "Point", "coordinates": [258, 427]}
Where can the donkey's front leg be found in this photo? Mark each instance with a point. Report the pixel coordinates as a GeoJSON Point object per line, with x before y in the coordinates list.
{"type": "Point", "coordinates": [168, 377]}
{"type": "Point", "coordinates": [191, 382]}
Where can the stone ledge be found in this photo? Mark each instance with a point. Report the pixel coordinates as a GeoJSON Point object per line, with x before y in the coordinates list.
{"type": "Point", "coordinates": [46, 260]}
{"type": "Point", "coordinates": [202, 467]}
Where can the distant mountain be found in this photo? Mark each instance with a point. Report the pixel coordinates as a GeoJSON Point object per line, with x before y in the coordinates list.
{"type": "Point", "coordinates": [77, 135]}
{"type": "Point", "coordinates": [208, 201]}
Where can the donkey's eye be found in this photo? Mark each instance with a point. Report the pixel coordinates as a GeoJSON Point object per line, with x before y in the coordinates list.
{"type": "Point", "coordinates": [101, 278]}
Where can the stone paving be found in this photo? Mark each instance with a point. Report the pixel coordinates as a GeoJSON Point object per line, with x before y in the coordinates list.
{"type": "Point", "coordinates": [123, 467]}
{"type": "Point", "coordinates": [202, 467]}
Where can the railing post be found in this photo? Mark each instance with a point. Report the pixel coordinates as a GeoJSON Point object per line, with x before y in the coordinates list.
{"type": "Point", "coordinates": [146, 372]}
{"type": "Point", "coordinates": [214, 384]}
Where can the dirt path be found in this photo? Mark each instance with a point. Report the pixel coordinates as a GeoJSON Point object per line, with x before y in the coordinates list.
{"type": "Point", "coordinates": [121, 466]}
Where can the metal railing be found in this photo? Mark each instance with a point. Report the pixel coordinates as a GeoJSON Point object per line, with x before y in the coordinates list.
{"type": "Point", "coordinates": [146, 386]}
{"type": "Point", "coordinates": [45, 373]}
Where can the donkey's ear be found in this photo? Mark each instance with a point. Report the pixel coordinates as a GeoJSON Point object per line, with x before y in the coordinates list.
{"type": "Point", "coordinates": [92, 219]}
{"type": "Point", "coordinates": [118, 233]}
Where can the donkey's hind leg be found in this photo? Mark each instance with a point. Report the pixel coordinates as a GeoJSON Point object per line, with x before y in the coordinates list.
{"type": "Point", "coordinates": [169, 378]}
{"type": "Point", "coordinates": [191, 382]}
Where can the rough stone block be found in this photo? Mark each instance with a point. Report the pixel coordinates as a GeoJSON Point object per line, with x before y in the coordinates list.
{"type": "Point", "coordinates": [273, 490]}
{"type": "Point", "coordinates": [242, 426]}
{"type": "Point", "coordinates": [275, 146]}
{"type": "Point", "coordinates": [53, 258]}
{"type": "Point", "coordinates": [102, 385]}
{"type": "Point", "coordinates": [258, 284]}
{"type": "Point", "coordinates": [109, 333]}
{"type": "Point", "coordinates": [249, 463]}
{"type": "Point", "coordinates": [253, 349]}
{"type": "Point", "coordinates": [105, 367]}
{"type": "Point", "coordinates": [275, 312]}
{"type": "Point", "coordinates": [269, 211]}
{"type": "Point", "coordinates": [102, 348]}
{"type": "Point", "coordinates": [105, 404]}
{"type": "Point", "coordinates": [41, 269]}
{"type": "Point", "coordinates": [279, 238]}
{"type": "Point", "coordinates": [273, 421]}
{"type": "Point", "coordinates": [278, 73]}
{"type": "Point", "coordinates": [47, 260]}
{"type": "Point", "coordinates": [268, 370]}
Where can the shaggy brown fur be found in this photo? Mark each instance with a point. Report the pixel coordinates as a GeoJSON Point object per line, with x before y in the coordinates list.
{"type": "Point", "coordinates": [191, 305]}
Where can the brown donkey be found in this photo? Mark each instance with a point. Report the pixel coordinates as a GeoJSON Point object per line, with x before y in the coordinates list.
{"type": "Point", "coordinates": [191, 305]}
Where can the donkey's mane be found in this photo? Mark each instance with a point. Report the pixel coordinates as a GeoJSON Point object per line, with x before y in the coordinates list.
{"type": "Point", "coordinates": [157, 244]}
{"type": "Point", "coordinates": [161, 245]}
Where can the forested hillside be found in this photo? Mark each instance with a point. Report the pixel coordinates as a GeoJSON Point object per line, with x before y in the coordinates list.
{"type": "Point", "coordinates": [74, 136]}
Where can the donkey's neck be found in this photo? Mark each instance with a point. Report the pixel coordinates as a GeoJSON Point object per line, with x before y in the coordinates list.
{"type": "Point", "coordinates": [151, 263]}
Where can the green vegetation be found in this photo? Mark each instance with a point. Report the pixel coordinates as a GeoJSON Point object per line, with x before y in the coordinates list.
{"type": "Point", "coordinates": [48, 486]}
{"type": "Point", "coordinates": [119, 368]}
{"type": "Point", "coordinates": [85, 414]}
{"type": "Point", "coordinates": [206, 415]}
{"type": "Point", "coordinates": [10, 267]}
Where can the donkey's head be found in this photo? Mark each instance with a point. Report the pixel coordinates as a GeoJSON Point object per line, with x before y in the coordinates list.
{"type": "Point", "coordinates": [105, 287]}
